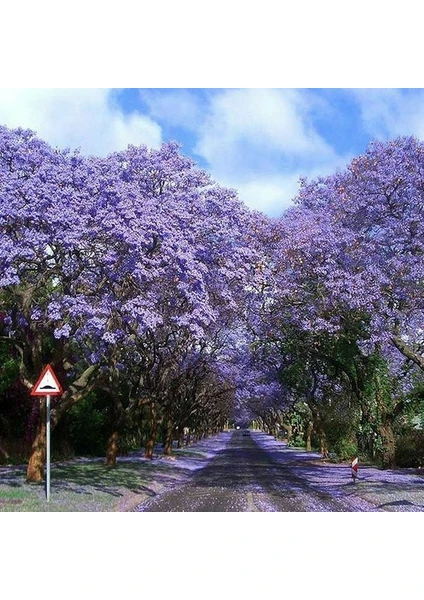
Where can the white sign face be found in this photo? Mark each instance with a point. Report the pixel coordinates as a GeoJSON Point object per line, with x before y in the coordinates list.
{"type": "Point", "coordinates": [47, 384]}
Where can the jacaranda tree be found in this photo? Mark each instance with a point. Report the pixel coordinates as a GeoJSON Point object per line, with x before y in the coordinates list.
{"type": "Point", "coordinates": [103, 259]}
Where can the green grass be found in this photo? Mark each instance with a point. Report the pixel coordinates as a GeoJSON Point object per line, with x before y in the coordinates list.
{"type": "Point", "coordinates": [86, 486]}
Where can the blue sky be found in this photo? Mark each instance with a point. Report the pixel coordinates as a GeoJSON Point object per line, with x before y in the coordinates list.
{"type": "Point", "coordinates": [258, 141]}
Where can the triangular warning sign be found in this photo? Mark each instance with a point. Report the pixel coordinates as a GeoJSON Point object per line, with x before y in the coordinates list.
{"type": "Point", "coordinates": [47, 384]}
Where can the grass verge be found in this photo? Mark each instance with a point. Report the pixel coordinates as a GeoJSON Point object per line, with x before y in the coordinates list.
{"type": "Point", "coordinates": [89, 486]}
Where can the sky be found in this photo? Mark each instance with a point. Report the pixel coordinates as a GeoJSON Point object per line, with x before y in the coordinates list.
{"type": "Point", "coordinates": [258, 141]}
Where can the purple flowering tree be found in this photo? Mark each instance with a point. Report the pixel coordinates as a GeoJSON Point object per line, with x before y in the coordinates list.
{"type": "Point", "coordinates": [346, 274]}
{"type": "Point", "coordinates": [377, 209]}
{"type": "Point", "coordinates": [114, 269]}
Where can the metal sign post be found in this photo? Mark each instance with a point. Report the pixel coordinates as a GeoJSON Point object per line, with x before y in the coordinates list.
{"type": "Point", "coordinates": [48, 448]}
{"type": "Point", "coordinates": [47, 385]}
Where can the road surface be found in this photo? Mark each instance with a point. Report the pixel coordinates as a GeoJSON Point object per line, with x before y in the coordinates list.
{"type": "Point", "coordinates": [244, 477]}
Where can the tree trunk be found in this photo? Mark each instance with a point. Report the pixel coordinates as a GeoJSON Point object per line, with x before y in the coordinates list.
{"type": "Point", "coordinates": [388, 457]}
{"type": "Point", "coordinates": [150, 445]}
{"type": "Point", "coordinates": [180, 441]}
{"type": "Point", "coordinates": [308, 435]}
{"type": "Point", "coordinates": [168, 438]}
{"type": "Point", "coordinates": [112, 449]}
{"type": "Point", "coordinates": [323, 448]}
{"type": "Point", "coordinates": [288, 427]}
{"type": "Point", "coordinates": [35, 469]}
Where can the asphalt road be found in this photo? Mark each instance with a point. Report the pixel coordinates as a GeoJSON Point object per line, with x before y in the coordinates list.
{"type": "Point", "coordinates": [244, 478]}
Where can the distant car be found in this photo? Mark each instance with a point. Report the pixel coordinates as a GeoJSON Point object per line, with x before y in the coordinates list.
{"type": "Point", "coordinates": [246, 432]}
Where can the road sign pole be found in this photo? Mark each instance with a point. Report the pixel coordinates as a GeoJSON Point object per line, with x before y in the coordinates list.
{"type": "Point", "coordinates": [48, 448]}
{"type": "Point", "coordinates": [47, 385]}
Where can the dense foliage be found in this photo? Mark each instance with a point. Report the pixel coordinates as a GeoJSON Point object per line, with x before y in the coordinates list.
{"type": "Point", "coordinates": [344, 317]}
{"type": "Point", "coordinates": [169, 310]}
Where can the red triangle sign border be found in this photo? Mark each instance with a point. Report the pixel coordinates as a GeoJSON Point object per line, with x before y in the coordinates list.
{"type": "Point", "coordinates": [37, 390]}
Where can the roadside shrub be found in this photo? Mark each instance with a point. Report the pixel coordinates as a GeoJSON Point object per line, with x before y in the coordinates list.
{"type": "Point", "coordinates": [131, 439]}
{"type": "Point", "coordinates": [345, 449]}
{"type": "Point", "coordinates": [13, 451]}
{"type": "Point", "coordinates": [297, 440]}
{"type": "Point", "coordinates": [85, 428]}
{"type": "Point", "coordinates": [410, 449]}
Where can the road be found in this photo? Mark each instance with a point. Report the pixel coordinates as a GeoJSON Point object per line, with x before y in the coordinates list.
{"type": "Point", "coordinates": [244, 477]}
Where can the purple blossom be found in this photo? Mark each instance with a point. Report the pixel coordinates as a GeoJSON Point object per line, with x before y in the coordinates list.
{"type": "Point", "coordinates": [63, 331]}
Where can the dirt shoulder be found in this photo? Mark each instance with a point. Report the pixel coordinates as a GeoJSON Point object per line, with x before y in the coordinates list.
{"type": "Point", "coordinates": [392, 490]}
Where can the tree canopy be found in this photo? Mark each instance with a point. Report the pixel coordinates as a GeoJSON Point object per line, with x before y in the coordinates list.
{"type": "Point", "coordinates": [138, 275]}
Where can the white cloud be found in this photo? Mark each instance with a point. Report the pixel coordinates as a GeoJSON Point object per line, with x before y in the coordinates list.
{"type": "Point", "coordinates": [270, 120]}
{"type": "Point", "coordinates": [270, 195]}
{"type": "Point", "coordinates": [77, 118]}
{"type": "Point", "coordinates": [260, 141]}
{"type": "Point", "coordinates": [389, 113]}
{"type": "Point", "coordinates": [177, 107]}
